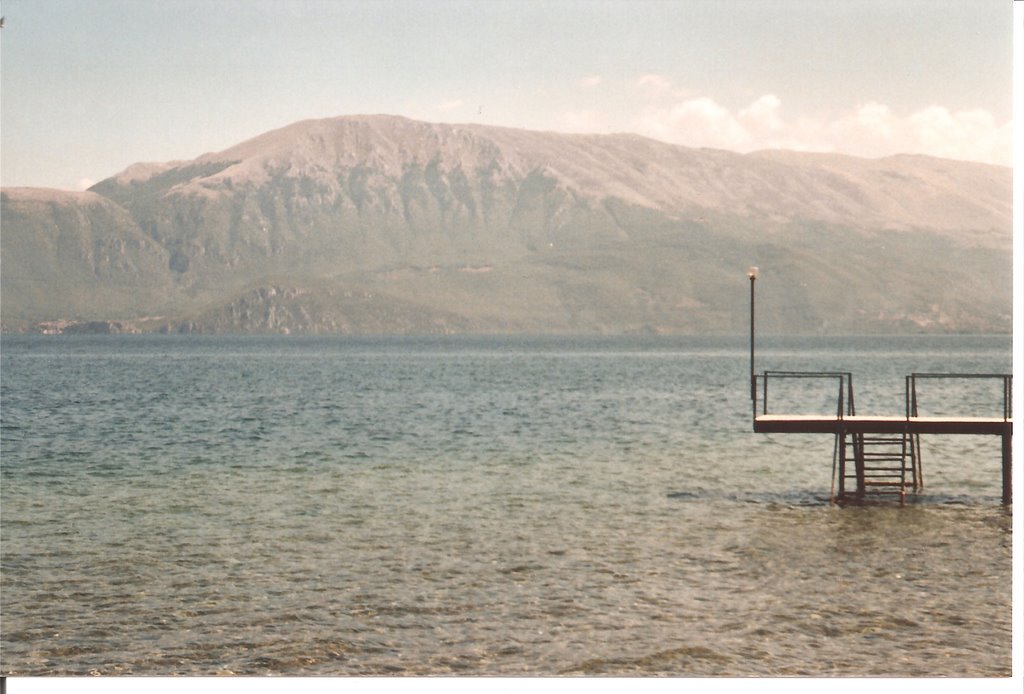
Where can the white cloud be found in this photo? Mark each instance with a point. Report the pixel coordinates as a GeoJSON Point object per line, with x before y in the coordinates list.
{"type": "Point", "coordinates": [590, 81]}
{"type": "Point", "coordinates": [654, 84]}
{"type": "Point", "coordinates": [657, 89]}
{"type": "Point", "coordinates": [582, 122]}
{"type": "Point", "coordinates": [877, 119]}
{"type": "Point", "coordinates": [697, 122]}
{"type": "Point", "coordinates": [450, 105]}
{"type": "Point", "coordinates": [85, 183]}
{"type": "Point", "coordinates": [763, 116]}
{"type": "Point", "coordinates": [869, 130]}
{"type": "Point", "coordinates": [970, 134]}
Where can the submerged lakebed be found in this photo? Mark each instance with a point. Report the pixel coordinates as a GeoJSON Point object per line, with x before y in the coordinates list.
{"type": "Point", "coordinates": [480, 506]}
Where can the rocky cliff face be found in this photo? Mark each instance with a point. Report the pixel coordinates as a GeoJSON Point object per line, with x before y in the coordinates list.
{"type": "Point", "coordinates": [381, 224]}
{"type": "Point", "coordinates": [68, 254]}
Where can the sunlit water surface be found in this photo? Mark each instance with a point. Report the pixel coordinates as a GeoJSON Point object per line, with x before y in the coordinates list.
{"type": "Point", "coordinates": [480, 506]}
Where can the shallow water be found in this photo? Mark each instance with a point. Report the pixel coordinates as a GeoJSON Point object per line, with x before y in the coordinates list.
{"type": "Point", "coordinates": [480, 506]}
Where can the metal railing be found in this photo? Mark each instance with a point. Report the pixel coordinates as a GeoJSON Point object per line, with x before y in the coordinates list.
{"type": "Point", "coordinates": [844, 395]}
{"type": "Point", "coordinates": [911, 389]}
{"type": "Point", "coordinates": [845, 406]}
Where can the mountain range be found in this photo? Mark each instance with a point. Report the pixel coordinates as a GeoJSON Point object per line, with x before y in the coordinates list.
{"type": "Point", "coordinates": [385, 225]}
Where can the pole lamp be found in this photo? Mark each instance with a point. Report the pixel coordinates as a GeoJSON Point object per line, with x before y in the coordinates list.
{"type": "Point", "coordinates": [752, 274]}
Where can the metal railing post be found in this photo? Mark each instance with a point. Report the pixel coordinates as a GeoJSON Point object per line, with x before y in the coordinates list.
{"type": "Point", "coordinates": [849, 396]}
{"type": "Point", "coordinates": [841, 399]}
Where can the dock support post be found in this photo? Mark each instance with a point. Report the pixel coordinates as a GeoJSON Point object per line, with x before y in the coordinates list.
{"type": "Point", "coordinates": [841, 443]}
{"type": "Point", "coordinates": [1007, 467]}
{"type": "Point", "coordinates": [858, 461]}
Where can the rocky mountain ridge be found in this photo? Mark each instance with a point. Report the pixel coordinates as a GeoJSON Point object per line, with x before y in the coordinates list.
{"type": "Point", "coordinates": [380, 224]}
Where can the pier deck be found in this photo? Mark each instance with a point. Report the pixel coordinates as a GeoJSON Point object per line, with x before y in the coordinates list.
{"type": "Point", "coordinates": [868, 424]}
{"type": "Point", "coordinates": [885, 450]}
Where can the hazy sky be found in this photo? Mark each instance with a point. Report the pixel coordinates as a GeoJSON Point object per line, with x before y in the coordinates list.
{"type": "Point", "coordinates": [88, 87]}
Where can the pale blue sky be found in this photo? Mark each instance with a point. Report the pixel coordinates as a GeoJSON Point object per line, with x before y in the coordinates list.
{"type": "Point", "coordinates": [89, 87]}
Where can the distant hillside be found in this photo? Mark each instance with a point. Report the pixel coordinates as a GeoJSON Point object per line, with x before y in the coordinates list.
{"type": "Point", "coordinates": [379, 224]}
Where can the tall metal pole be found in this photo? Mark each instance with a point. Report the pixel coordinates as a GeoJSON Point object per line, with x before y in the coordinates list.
{"type": "Point", "coordinates": [752, 274]}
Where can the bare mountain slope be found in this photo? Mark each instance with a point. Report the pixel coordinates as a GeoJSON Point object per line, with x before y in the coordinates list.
{"type": "Point", "coordinates": [383, 224]}
{"type": "Point", "coordinates": [67, 254]}
{"type": "Point", "coordinates": [894, 192]}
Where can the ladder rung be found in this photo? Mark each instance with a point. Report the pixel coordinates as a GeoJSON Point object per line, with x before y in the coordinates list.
{"type": "Point", "coordinates": [895, 479]}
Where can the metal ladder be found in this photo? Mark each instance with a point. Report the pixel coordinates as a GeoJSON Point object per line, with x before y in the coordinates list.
{"type": "Point", "coordinates": [883, 464]}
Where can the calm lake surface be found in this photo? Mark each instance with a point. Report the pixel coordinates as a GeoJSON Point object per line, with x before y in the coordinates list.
{"type": "Point", "coordinates": [485, 506]}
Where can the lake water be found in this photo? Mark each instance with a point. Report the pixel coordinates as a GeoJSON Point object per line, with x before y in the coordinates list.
{"type": "Point", "coordinates": [485, 506]}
